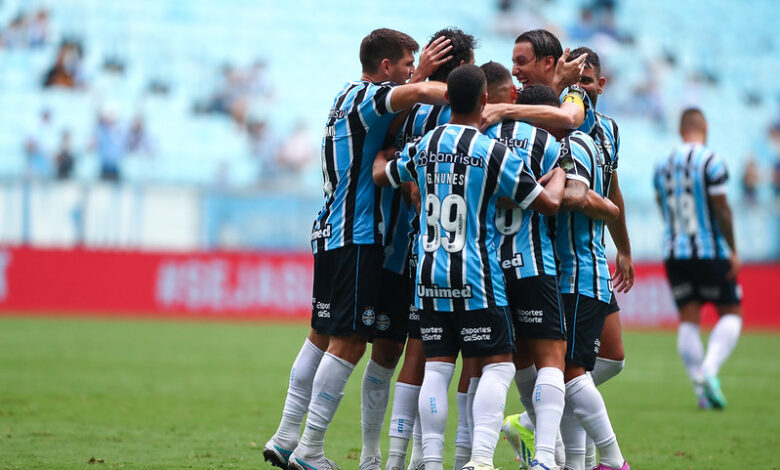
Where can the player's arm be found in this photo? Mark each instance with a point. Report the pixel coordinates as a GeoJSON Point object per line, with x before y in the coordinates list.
{"type": "Point", "coordinates": [623, 278]}
{"type": "Point", "coordinates": [722, 211]}
{"type": "Point", "coordinates": [548, 202]}
{"type": "Point", "coordinates": [431, 57]}
{"type": "Point", "coordinates": [507, 203]}
{"type": "Point", "coordinates": [569, 115]}
{"type": "Point", "coordinates": [380, 163]}
{"type": "Point", "coordinates": [405, 96]}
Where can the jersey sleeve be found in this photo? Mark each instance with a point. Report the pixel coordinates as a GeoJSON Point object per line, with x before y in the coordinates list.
{"type": "Point", "coordinates": [514, 179]}
{"type": "Point", "coordinates": [574, 160]}
{"type": "Point", "coordinates": [577, 95]}
{"type": "Point", "coordinates": [376, 102]}
{"type": "Point", "coordinates": [552, 149]}
{"type": "Point", "coordinates": [716, 175]}
{"type": "Point", "coordinates": [616, 134]}
{"type": "Point", "coordinates": [402, 168]}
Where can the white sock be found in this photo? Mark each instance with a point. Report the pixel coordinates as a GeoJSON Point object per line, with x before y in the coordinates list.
{"type": "Point", "coordinates": [722, 341]}
{"type": "Point", "coordinates": [374, 394]}
{"type": "Point", "coordinates": [590, 453]}
{"type": "Point", "coordinates": [548, 401]}
{"type": "Point", "coordinates": [327, 390]}
{"type": "Point", "coordinates": [489, 402]}
{"type": "Point", "coordinates": [605, 369]}
{"type": "Point", "coordinates": [560, 451]}
{"type": "Point", "coordinates": [462, 434]}
{"type": "Point", "coordinates": [573, 436]}
{"type": "Point", "coordinates": [298, 395]}
{"type": "Point", "coordinates": [525, 421]}
{"type": "Point", "coordinates": [525, 379]}
{"type": "Point", "coordinates": [591, 412]}
{"type": "Point", "coordinates": [472, 390]}
{"type": "Point", "coordinates": [417, 452]}
{"type": "Point", "coordinates": [402, 423]}
{"type": "Point", "coordinates": [690, 348]}
{"type": "Point", "coordinates": [433, 406]}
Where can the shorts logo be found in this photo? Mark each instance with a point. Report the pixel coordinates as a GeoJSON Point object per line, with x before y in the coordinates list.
{"type": "Point", "coordinates": [369, 316]}
{"type": "Point", "coordinates": [382, 322]}
{"type": "Point", "coordinates": [597, 344]}
{"type": "Point", "coordinates": [530, 316]}
{"type": "Point", "coordinates": [431, 334]}
{"type": "Point", "coordinates": [476, 334]}
{"type": "Point", "coordinates": [322, 309]}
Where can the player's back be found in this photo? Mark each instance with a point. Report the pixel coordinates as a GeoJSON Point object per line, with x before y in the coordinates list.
{"type": "Point", "coordinates": [523, 240]}
{"type": "Point", "coordinates": [461, 173]}
{"type": "Point", "coordinates": [684, 181]}
{"type": "Point", "coordinates": [354, 132]}
{"type": "Point", "coordinates": [579, 240]}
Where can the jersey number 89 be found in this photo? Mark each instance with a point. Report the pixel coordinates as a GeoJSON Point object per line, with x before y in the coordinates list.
{"type": "Point", "coordinates": [450, 213]}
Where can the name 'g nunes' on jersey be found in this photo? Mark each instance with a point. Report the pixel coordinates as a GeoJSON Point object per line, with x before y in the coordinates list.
{"type": "Point", "coordinates": [354, 132]}
{"type": "Point", "coordinates": [461, 174]}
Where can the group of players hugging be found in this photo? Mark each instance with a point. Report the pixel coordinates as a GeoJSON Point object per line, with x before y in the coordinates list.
{"type": "Point", "coordinates": [463, 215]}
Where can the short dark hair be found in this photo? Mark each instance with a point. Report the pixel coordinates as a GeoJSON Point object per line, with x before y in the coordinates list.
{"type": "Point", "coordinates": [465, 86]}
{"type": "Point", "coordinates": [462, 50]}
{"type": "Point", "coordinates": [495, 73]}
{"type": "Point", "coordinates": [591, 61]}
{"type": "Point", "coordinates": [538, 94]}
{"type": "Point", "coordinates": [544, 43]}
{"type": "Point", "coordinates": [692, 119]}
{"type": "Point", "coordinates": [383, 44]}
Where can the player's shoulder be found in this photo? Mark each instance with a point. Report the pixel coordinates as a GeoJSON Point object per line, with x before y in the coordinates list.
{"type": "Point", "coordinates": [607, 123]}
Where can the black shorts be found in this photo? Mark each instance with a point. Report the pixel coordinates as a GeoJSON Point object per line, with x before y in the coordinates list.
{"type": "Point", "coordinates": [536, 308]}
{"type": "Point", "coordinates": [414, 321]}
{"type": "Point", "coordinates": [346, 290]}
{"type": "Point", "coordinates": [585, 319]}
{"type": "Point", "coordinates": [395, 306]}
{"type": "Point", "coordinates": [702, 280]}
{"type": "Point", "coordinates": [475, 333]}
{"type": "Point", "coordinates": [613, 305]}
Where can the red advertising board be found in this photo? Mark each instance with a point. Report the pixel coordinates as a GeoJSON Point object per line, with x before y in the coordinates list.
{"type": "Point", "coordinates": [265, 285]}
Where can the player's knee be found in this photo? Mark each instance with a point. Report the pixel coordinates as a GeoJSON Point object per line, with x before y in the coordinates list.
{"type": "Point", "coordinates": [386, 353]}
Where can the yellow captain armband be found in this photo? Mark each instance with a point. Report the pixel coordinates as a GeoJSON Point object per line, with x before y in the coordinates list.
{"type": "Point", "coordinates": [574, 98]}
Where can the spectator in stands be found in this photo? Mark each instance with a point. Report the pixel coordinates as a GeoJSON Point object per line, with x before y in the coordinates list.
{"type": "Point", "coordinates": [584, 28]}
{"type": "Point", "coordinates": [513, 16]}
{"type": "Point", "coordinates": [297, 150]}
{"type": "Point", "coordinates": [138, 141]}
{"type": "Point", "coordinates": [26, 31]}
{"type": "Point", "coordinates": [64, 158]}
{"type": "Point", "coordinates": [40, 145]}
{"type": "Point", "coordinates": [67, 70]}
{"type": "Point", "coordinates": [750, 182]}
{"type": "Point", "coordinates": [109, 142]}
{"type": "Point", "coordinates": [38, 29]}
{"type": "Point", "coordinates": [264, 147]}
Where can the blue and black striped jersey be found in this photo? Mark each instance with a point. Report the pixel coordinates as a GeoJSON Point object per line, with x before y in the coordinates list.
{"type": "Point", "coordinates": [354, 133]}
{"type": "Point", "coordinates": [683, 182]}
{"type": "Point", "coordinates": [461, 174]}
{"type": "Point", "coordinates": [523, 239]}
{"type": "Point", "coordinates": [607, 139]}
{"type": "Point", "coordinates": [579, 240]}
{"type": "Point", "coordinates": [397, 217]}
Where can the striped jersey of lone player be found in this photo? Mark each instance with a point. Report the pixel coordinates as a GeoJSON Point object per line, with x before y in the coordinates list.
{"type": "Point", "coordinates": [354, 132]}
{"type": "Point", "coordinates": [461, 174]}
{"type": "Point", "coordinates": [683, 183]}
{"type": "Point", "coordinates": [579, 240]}
{"type": "Point", "coordinates": [523, 239]}
{"type": "Point", "coordinates": [605, 134]}
{"type": "Point", "coordinates": [398, 218]}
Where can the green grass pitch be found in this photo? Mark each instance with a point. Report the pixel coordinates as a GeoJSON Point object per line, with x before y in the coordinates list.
{"type": "Point", "coordinates": [157, 394]}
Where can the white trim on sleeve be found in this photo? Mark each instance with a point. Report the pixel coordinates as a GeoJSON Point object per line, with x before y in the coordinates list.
{"type": "Point", "coordinates": [531, 196]}
{"type": "Point", "coordinates": [570, 176]}
{"type": "Point", "coordinates": [716, 190]}
{"type": "Point", "coordinates": [390, 176]}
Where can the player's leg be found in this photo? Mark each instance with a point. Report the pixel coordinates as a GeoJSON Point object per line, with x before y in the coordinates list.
{"type": "Point", "coordinates": [439, 332]}
{"type": "Point", "coordinates": [278, 449]}
{"type": "Point", "coordinates": [585, 321]}
{"type": "Point", "coordinates": [391, 328]}
{"type": "Point", "coordinates": [352, 322]}
{"type": "Point", "coordinates": [519, 428]}
{"type": "Point", "coordinates": [490, 348]}
{"type": "Point", "coordinates": [727, 295]}
{"type": "Point", "coordinates": [468, 372]}
{"type": "Point", "coordinates": [281, 445]}
{"type": "Point", "coordinates": [407, 393]}
{"type": "Point", "coordinates": [609, 363]}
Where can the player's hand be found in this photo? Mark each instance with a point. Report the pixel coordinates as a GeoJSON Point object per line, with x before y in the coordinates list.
{"type": "Point", "coordinates": [568, 73]}
{"type": "Point", "coordinates": [735, 264]}
{"type": "Point", "coordinates": [548, 176]}
{"type": "Point", "coordinates": [623, 278]}
{"type": "Point", "coordinates": [431, 57]}
{"type": "Point", "coordinates": [493, 113]}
